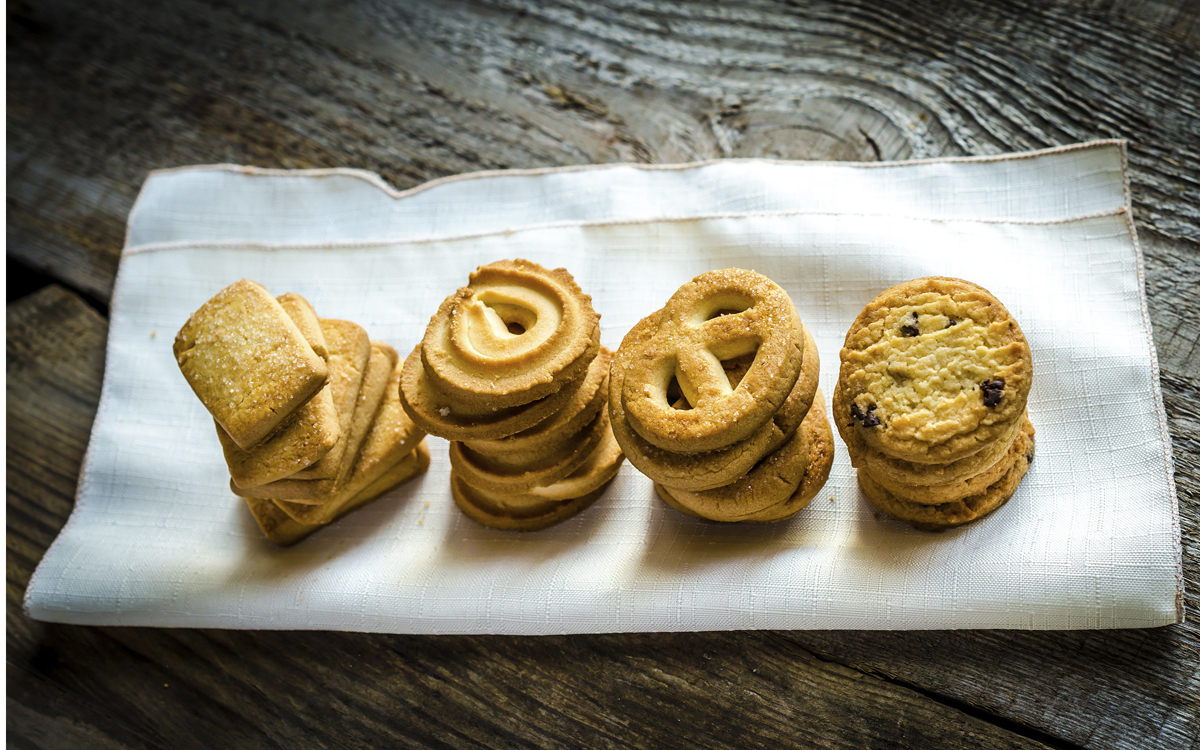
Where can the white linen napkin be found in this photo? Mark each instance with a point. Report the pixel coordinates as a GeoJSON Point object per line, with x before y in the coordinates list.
{"type": "Point", "coordinates": [1091, 539]}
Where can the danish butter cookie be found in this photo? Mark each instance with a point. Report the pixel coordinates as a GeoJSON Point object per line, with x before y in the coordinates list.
{"type": "Point", "coordinates": [376, 380]}
{"type": "Point", "coordinates": [305, 317]}
{"type": "Point", "coordinates": [381, 434]}
{"type": "Point", "coordinates": [778, 487]}
{"type": "Point", "coordinates": [349, 351]}
{"type": "Point", "coordinates": [280, 528]}
{"type": "Point", "coordinates": [586, 401]}
{"type": "Point", "coordinates": [307, 434]}
{"type": "Point", "coordinates": [518, 332]}
{"type": "Point", "coordinates": [819, 436]}
{"type": "Point", "coordinates": [933, 370]}
{"type": "Point", "coordinates": [937, 494]}
{"type": "Point", "coordinates": [702, 471]}
{"type": "Point", "coordinates": [247, 362]}
{"type": "Point", "coordinates": [392, 436]}
{"type": "Point", "coordinates": [597, 470]}
{"type": "Point", "coordinates": [716, 316]}
{"type": "Point", "coordinates": [594, 474]}
{"type": "Point", "coordinates": [440, 415]}
{"type": "Point", "coordinates": [475, 506]}
{"type": "Point", "coordinates": [947, 515]}
{"type": "Point", "coordinates": [521, 472]}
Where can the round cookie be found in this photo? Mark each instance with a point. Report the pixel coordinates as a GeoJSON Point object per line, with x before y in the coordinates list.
{"type": "Point", "coordinates": [477, 507]}
{"type": "Point", "coordinates": [947, 515]}
{"type": "Point", "coordinates": [817, 437]}
{"type": "Point", "coordinates": [589, 398]}
{"type": "Point", "coordinates": [771, 481]}
{"type": "Point", "coordinates": [820, 461]}
{"type": "Point", "coordinates": [716, 316]}
{"type": "Point", "coordinates": [517, 333]}
{"type": "Point", "coordinates": [887, 469]}
{"type": "Point", "coordinates": [933, 370]}
{"type": "Point", "coordinates": [702, 471]}
{"type": "Point", "coordinates": [597, 470]}
{"type": "Point", "coordinates": [937, 494]}
{"type": "Point", "coordinates": [440, 415]}
{"type": "Point", "coordinates": [520, 472]}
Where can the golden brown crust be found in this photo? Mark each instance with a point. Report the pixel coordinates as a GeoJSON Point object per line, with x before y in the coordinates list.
{"type": "Point", "coordinates": [391, 435]}
{"type": "Point", "coordinates": [350, 353]}
{"type": "Point", "coordinates": [703, 471]}
{"type": "Point", "coordinates": [820, 462]}
{"type": "Point", "coordinates": [440, 415]}
{"type": "Point", "coordinates": [885, 468]}
{"type": "Point", "coordinates": [933, 370]}
{"type": "Point", "coordinates": [247, 362]}
{"type": "Point", "coordinates": [770, 492]}
{"type": "Point", "coordinates": [521, 472]}
{"type": "Point", "coordinates": [305, 317]}
{"type": "Point", "coordinates": [307, 434]}
{"type": "Point", "coordinates": [280, 528]}
{"type": "Point", "coordinates": [587, 400]}
{"type": "Point", "coordinates": [947, 515]}
{"type": "Point", "coordinates": [476, 507]}
{"type": "Point", "coordinates": [716, 316]}
{"type": "Point", "coordinates": [517, 333]}
{"type": "Point", "coordinates": [937, 494]}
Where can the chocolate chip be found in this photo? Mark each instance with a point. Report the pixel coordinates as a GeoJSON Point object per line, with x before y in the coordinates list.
{"type": "Point", "coordinates": [910, 329]}
{"type": "Point", "coordinates": [951, 323]}
{"type": "Point", "coordinates": [991, 391]}
{"type": "Point", "coordinates": [867, 418]}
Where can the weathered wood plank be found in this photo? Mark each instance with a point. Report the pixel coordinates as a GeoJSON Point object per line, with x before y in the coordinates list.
{"type": "Point", "coordinates": [55, 358]}
{"type": "Point", "coordinates": [99, 94]}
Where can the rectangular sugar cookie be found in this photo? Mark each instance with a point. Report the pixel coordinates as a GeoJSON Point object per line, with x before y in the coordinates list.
{"type": "Point", "coordinates": [349, 354]}
{"type": "Point", "coordinates": [247, 362]}
{"type": "Point", "coordinates": [305, 317]}
{"type": "Point", "coordinates": [305, 436]}
{"type": "Point", "coordinates": [284, 530]}
{"type": "Point", "coordinates": [392, 436]}
{"type": "Point", "coordinates": [378, 378]}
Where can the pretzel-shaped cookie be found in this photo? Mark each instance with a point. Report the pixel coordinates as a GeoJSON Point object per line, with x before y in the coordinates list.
{"type": "Point", "coordinates": [515, 334]}
{"type": "Point", "coordinates": [703, 471]}
{"type": "Point", "coordinates": [717, 315]}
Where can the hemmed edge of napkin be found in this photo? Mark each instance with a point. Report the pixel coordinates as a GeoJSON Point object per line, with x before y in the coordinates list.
{"type": "Point", "coordinates": [375, 180]}
{"type": "Point", "coordinates": [1160, 408]}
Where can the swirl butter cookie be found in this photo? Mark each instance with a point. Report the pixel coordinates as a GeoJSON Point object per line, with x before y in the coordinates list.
{"type": "Point", "coordinates": [933, 370]}
{"type": "Point", "coordinates": [587, 399]}
{"type": "Point", "coordinates": [519, 472]}
{"type": "Point", "coordinates": [517, 333]}
{"type": "Point", "coordinates": [543, 505]}
{"type": "Point", "coordinates": [716, 316]}
{"type": "Point", "coordinates": [445, 417]}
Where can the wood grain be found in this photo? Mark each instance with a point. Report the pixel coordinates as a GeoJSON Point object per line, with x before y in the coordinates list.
{"type": "Point", "coordinates": [100, 93]}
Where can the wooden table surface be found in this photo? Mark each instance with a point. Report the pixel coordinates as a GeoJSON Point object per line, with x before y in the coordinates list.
{"type": "Point", "coordinates": [99, 93]}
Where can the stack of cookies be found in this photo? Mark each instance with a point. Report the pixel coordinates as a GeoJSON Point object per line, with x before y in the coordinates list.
{"type": "Point", "coordinates": [512, 372]}
{"type": "Point", "coordinates": [715, 398]}
{"type": "Point", "coordinates": [307, 409]}
{"type": "Point", "coordinates": [930, 401]}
